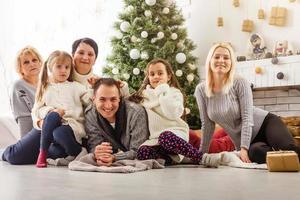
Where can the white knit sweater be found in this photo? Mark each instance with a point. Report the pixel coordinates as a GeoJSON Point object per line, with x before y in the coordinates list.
{"type": "Point", "coordinates": [164, 106]}
{"type": "Point", "coordinates": [70, 96]}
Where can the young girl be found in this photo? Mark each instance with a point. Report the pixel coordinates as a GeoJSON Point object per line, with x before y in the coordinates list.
{"type": "Point", "coordinates": [163, 100]}
{"type": "Point", "coordinates": [59, 106]}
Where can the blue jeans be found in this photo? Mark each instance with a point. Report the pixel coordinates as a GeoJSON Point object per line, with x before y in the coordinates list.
{"type": "Point", "coordinates": [26, 150]}
{"type": "Point", "coordinates": [54, 132]}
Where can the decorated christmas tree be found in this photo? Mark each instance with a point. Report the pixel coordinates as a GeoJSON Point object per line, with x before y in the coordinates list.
{"type": "Point", "coordinates": [150, 29]}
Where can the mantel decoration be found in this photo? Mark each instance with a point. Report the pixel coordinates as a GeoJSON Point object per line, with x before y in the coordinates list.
{"type": "Point", "coordinates": [282, 48]}
{"type": "Point", "coordinates": [257, 48]}
{"type": "Point", "coordinates": [220, 21]}
{"type": "Point", "coordinates": [248, 24]}
{"type": "Point", "coordinates": [261, 12]}
{"type": "Point", "coordinates": [278, 16]}
{"type": "Point", "coordinates": [236, 3]}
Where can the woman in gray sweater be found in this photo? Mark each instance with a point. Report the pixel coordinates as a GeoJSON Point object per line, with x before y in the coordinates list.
{"type": "Point", "coordinates": [28, 66]}
{"type": "Point", "coordinates": [227, 100]}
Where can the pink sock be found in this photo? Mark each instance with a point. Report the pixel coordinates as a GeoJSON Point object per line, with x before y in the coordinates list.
{"type": "Point", "coordinates": [41, 161]}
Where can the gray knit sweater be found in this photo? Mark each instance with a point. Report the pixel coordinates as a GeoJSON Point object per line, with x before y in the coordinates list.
{"type": "Point", "coordinates": [137, 130]}
{"type": "Point", "coordinates": [233, 111]}
{"type": "Point", "coordinates": [22, 100]}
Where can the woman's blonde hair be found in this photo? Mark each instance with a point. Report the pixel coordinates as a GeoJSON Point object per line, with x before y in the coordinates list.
{"type": "Point", "coordinates": [25, 51]}
{"type": "Point", "coordinates": [229, 77]}
{"type": "Point", "coordinates": [44, 78]}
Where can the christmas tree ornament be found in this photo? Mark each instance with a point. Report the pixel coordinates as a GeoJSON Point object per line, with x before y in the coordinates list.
{"type": "Point", "coordinates": [138, 40]}
{"type": "Point", "coordinates": [160, 35]}
{"type": "Point", "coordinates": [129, 9]}
{"type": "Point", "coordinates": [150, 2]}
{"type": "Point", "coordinates": [168, 3]}
{"type": "Point", "coordinates": [180, 45]}
{"type": "Point", "coordinates": [126, 76]}
{"type": "Point", "coordinates": [174, 36]}
{"type": "Point", "coordinates": [134, 54]}
{"type": "Point", "coordinates": [180, 58]}
{"type": "Point", "coordinates": [133, 39]}
{"type": "Point", "coordinates": [166, 11]}
{"type": "Point", "coordinates": [280, 75]}
{"type": "Point", "coordinates": [153, 40]}
{"type": "Point", "coordinates": [148, 13]}
{"type": "Point", "coordinates": [192, 66]}
{"type": "Point", "coordinates": [220, 22]}
{"type": "Point", "coordinates": [136, 71]}
{"type": "Point", "coordinates": [115, 71]}
{"type": "Point", "coordinates": [119, 35]}
{"type": "Point", "coordinates": [144, 55]}
{"type": "Point", "coordinates": [187, 111]}
{"type": "Point", "coordinates": [124, 26]}
{"type": "Point", "coordinates": [190, 77]}
{"type": "Point", "coordinates": [144, 34]}
{"type": "Point", "coordinates": [236, 3]}
{"type": "Point", "coordinates": [179, 73]}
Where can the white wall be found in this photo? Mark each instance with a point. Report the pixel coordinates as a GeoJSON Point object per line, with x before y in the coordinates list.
{"type": "Point", "coordinates": [55, 24]}
{"type": "Point", "coordinates": [202, 24]}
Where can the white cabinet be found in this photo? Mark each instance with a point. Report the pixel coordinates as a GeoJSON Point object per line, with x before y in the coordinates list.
{"type": "Point", "coordinates": [288, 65]}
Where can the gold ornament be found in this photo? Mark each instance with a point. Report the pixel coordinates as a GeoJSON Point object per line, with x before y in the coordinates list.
{"type": "Point", "coordinates": [292, 1]}
{"type": "Point", "coordinates": [258, 70]}
{"type": "Point", "coordinates": [278, 16]}
{"type": "Point", "coordinates": [248, 25]}
{"type": "Point", "coordinates": [236, 3]}
{"type": "Point", "coordinates": [261, 14]}
{"type": "Point", "coordinates": [220, 22]}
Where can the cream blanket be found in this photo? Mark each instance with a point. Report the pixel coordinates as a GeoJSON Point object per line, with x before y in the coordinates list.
{"type": "Point", "coordinates": [88, 163]}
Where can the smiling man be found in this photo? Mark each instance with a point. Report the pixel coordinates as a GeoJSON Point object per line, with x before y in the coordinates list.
{"type": "Point", "coordinates": [115, 127]}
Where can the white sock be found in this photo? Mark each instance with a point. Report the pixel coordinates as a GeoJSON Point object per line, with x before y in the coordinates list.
{"type": "Point", "coordinates": [211, 160]}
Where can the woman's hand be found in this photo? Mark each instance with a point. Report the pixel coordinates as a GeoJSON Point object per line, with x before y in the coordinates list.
{"type": "Point", "coordinates": [93, 80]}
{"type": "Point", "coordinates": [244, 155]}
{"type": "Point", "coordinates": [60, 111]}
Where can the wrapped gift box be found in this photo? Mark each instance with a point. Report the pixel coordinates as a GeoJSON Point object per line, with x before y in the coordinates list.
{"type": "Point", "coordinates": [283, 161]}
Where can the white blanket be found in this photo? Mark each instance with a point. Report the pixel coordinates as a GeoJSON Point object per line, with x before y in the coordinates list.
{"type": "Point", "coordinates": [232, 159]}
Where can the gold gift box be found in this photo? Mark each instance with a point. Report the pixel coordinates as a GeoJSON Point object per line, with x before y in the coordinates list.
{"type": "Point", "coordinates": [278, 16]}
{"type": "Point", "coordinates": [283, 161]}
{"type": "Point", "coordinates": [247, 25]}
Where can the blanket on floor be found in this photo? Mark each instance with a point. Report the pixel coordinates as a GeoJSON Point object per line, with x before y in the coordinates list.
{"type": "Point", "coordinates": [88, 163]}
{"type": "Point", "coordinates": [232, 159]}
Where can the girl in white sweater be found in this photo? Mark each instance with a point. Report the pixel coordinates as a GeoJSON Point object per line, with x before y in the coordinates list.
{"type": "Point", "coordinates": [164, 103]}
{"type": "Point", "coordinates": [58, 108]}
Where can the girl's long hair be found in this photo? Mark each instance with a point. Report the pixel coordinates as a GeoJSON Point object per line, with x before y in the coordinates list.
{"type": "Point", "coordinates": [229, 78]}
{"type": "Point", "coordinates": [47, 66]}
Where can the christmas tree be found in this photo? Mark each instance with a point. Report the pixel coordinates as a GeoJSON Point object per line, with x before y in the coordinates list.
{"type": "Point", "coordinates": [150, 29]}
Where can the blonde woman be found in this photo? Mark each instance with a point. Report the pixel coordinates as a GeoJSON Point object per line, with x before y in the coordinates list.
{"type": "Point", "coordinates": [226, 99]}
{"type": "Point", "coordinates": [28, 66]}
